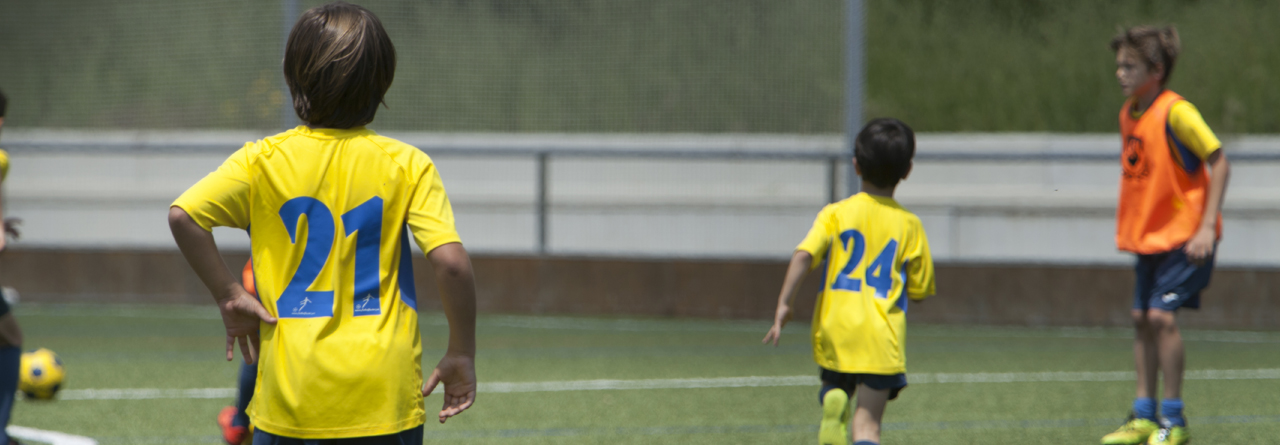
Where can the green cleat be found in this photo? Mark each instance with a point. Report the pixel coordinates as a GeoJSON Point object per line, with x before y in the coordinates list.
{"type": "Point", "coordinates": [1170, 435]}
{"type": "Point", "coordinates": [1135, 431]}
{"type": "Point", "coordinates": [835, 418]}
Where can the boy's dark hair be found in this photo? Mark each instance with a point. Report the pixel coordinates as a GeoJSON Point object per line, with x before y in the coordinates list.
{"type": "Point", "coordinates": [884, 149]}
{"type": "Point", "coordinates": [4, 103]}
{"type": "Point", "coordinates": [338, 63]}
{"type": "Point", "coordinates": [1155, 46]}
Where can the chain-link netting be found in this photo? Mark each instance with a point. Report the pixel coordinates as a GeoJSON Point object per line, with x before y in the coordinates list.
{"type": "Point", "coordinates": [480, 65]}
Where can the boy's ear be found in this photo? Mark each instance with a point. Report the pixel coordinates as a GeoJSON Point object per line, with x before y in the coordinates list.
{"type": "Point", "coordinates": [1, 121]}
{"type": "Point", "coordinates": [857, 170]}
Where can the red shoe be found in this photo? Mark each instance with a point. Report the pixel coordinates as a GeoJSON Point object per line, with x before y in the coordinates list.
{"type": "Point", "coordinates": [234, 435]}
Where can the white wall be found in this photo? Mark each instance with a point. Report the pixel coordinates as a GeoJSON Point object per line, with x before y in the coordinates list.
{"type": "Point", "coordinates": [94, 190]}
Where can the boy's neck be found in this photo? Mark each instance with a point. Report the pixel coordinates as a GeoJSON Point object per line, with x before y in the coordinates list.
{"type": "Point", "coordinates": [1143, 101]}
{"type": "Point", "coordinates": [872, 189]}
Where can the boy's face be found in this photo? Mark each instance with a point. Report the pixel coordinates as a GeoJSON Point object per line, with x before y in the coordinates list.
{"type": "Point", "coordinates": [1133, 74]}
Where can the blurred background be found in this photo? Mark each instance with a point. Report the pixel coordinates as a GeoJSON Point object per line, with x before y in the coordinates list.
{"type": "Point", "coordinates": [641, 132]}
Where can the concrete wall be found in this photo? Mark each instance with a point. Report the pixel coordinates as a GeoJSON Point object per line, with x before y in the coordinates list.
{"type": "Point", "coordinates": [110, 191]}
{"type": "Point", "coordinates": [967, 293]}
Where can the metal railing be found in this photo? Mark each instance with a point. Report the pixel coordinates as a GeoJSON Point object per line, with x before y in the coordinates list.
{"type": "Point", "coordinates": [543, 154]}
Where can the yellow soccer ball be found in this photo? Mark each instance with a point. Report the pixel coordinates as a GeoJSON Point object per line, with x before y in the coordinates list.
{"type": "Point", "coordinates": [41, 374]}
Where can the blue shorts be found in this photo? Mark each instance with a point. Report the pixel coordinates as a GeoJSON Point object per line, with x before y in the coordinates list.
{"type": "Point", "coordinates": [849, 382]}
{"type": "Point", "coordinates": [411, 436]}
{"type": "Point", "coordinates": [1169, 281]}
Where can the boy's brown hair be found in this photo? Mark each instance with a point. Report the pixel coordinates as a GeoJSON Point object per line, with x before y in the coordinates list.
{"type": "Point", "coordinates": [1155, 46]}
{"type": "Point", "coordinates": [338, 63]}
{"type": "Point", "coordinates": [884, 149]}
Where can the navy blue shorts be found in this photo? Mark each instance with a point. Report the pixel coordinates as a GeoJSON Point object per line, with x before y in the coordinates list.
{"type": "Point", "coordinates": [1169, 281]}
{"type": "Point", "coordinates": [411, 436]}
{"type": "Point", "coordinates": [849, 382]}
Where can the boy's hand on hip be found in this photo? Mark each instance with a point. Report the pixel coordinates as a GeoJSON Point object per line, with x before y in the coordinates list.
{"type": "Point", "coordinates": [458, 373]}
{"type": "Point", "coordinates": [241, 314]}
{"type": "Point", "coordinates": [1200, 246]}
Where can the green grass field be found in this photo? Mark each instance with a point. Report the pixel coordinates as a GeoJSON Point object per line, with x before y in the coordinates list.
{"type": "Point", "coordinates": [115, 347]}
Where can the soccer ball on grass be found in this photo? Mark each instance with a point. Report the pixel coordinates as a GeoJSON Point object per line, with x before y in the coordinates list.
{"type": "Point", "coordinates": [40, 375]}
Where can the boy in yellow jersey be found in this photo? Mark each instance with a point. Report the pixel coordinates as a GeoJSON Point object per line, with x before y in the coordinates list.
{"type": "Point", "coordinates": [1169, 215]}
{"type": "Point", "coordinates": [877, 257]}
{"type": "Point", "coordinates": [330, 207]}
{"type": "Point", "coordinates": [10, 332]}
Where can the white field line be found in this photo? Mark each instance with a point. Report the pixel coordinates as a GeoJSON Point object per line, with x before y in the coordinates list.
{"type": "Point", "coordinates": [721, 382]}
{"type": "Point", "coordinates": [146, 393]}
{"type": "Point", "coordinates": [49, 437]}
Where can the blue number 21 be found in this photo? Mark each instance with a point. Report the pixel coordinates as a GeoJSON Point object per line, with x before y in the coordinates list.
{"type": "Point", "coordinates": [879, 274]}
{"type": "Point", "coordinates": [365, 221]}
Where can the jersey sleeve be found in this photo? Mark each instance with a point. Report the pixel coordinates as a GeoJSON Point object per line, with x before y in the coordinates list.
{"type": "Point", "coordinates": [222, 197]}
{"type": "Point", "coordinates": [818, 240]}
{"type": "Point", "coordinates": [4, 165]}
{"type": "Point", "coordinates": [430, 216]}
{"type": "Point", "coordinates": [920, 284]}
{"type": "Point", "coordinates": [1189, 127]}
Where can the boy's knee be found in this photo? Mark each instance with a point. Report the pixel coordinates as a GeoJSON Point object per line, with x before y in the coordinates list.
{"type": "Point", "coordinates": [1161, 320]}
{"type": "Point", "coordinates": [1140, 321]}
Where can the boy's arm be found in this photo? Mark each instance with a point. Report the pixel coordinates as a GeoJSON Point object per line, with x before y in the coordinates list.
{"type": "Point", "coordinates": [458, 297]}
{"type": "Point", "coordinates": [1201, 245]}
{"type": "Point", "coordinates": [796, 271]}
{"type": "Point", "coordinates": [10, 224]}
{"type": "Point", "coordinates": [241, 312]}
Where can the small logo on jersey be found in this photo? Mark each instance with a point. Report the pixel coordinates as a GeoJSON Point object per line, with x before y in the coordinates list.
{"type": "Point", "coordinates": [1169, 297]}
{"type": "Point", "coordinates": [368, 304]}
{"type": "Point", "coordinates": [301, 306]}
{"type": "Point", "coordinates": [1134, 159]}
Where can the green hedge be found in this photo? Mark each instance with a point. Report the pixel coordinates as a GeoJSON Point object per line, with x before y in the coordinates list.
{"type": "Point", "coordinates": [641, 65]}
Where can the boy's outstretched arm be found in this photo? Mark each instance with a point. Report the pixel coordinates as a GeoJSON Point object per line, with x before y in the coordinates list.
{"type": "Point", "coordinates": [241, 312]}
{"type": "Point", "coordinates": [457, 369]}
{"type": "Point", "coordinates": [796, 272]}
{"type": "Point", "coordinates": [1201, 244]}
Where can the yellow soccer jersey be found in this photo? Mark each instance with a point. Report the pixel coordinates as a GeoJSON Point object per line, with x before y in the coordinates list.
{"type": "Point", "coordinates": [326, 212]}
{"type": "Point", "coordinates": [1190, 131]}
{"type": "Point", "coordinates": [4, 165]}
{"type": "Point", "coordinates": [877, 257]}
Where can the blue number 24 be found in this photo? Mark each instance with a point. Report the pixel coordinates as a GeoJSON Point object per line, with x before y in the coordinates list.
{"type": "Point", "coordinates": [879, 274]}
{"type": "Point", "coordinates": [365, 221]}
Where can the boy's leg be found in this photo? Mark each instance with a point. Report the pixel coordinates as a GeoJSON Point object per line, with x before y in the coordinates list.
{"type": "Point", "coordinates": [244, 392]}
{"type": "Point", "coordinates": [1172, 355]}
{"type": "Point", "coordinates": [1142, 421]}
{"type": "Point", "coordinates": [233, 420]}
{"type": "Point", "coordinates": [10, 362]}
{"type": "Point", "coordinates": [869, 412]}
{"type": "Point", "coordinates": [1172, 364]}
{"type": "Point", "coordinates": [834, 429]}
{"type": "Point", "coordinates": [1146, 363]}
{"type": "Point", "coordinates": [1145, 345]}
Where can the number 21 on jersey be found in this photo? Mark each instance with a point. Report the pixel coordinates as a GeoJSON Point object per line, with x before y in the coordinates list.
{"type": "Point", "coordinates": [365, 222]}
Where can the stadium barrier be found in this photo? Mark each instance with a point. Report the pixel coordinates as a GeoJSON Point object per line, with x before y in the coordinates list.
{"type": "Point", "coordinates": [969, 293]}
{"type": "Point", "coordinates": [992, 198]}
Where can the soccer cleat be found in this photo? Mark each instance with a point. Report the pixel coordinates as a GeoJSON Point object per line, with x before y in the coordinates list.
{"type": "Point", "coordinates": [834, 429]}
{"type": "Point", "coordinates": [1170, 435]}
{"type": "Point", "coordinates": [1135, 431]}
{"type": "Point", "coordinates": [234, 435]}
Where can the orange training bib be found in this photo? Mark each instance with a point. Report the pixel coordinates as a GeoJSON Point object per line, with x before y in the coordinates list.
{"type": "Point", "coordinates": [1163, 185]}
